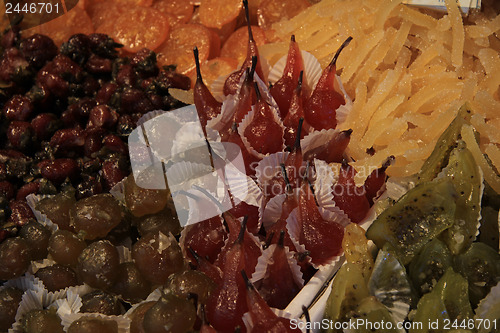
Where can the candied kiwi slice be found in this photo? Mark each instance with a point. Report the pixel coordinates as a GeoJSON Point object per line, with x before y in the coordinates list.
{"type": "Point", "coordinates": [445, 144]}
{"type": "Point", "coordinates": [417, 217]}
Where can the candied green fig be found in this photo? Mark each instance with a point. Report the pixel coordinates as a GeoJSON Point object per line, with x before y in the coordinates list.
{"type": "Point", "coordinates": [102, 302]}
{"type": "Point", "coordinates": [445, 144]}
{"type": "Point", "coordinates": [373, 313]}
{"type": "Point", "coordinates": [481, 266]}
{"type": "Point", "coordinates": [448, 300]}
{"type": "Point", "coordinates": [468, 181]}
{"type": "Point", "coordinates": [131, 285]}
{"type": "Point", "coordinates": [42, 321]}
{"type": "Point", "coordinates": [429, 265]}
{"type": "Point", "coordinates": [37, 236]}
{"type": "Point", "coordinates": [389, 283]}
{"type": "Point", "coordinates": [10, 298]}
{"type": "Point", "coordinates": [165, 221]}
{"type": "Point", "coordinates": [93, 325]}
{"type": "Point", "coordinates": [348, 289]}
{"type": "Point", "coordinates": [417, 217]}
{"type": "Point", "coordinates": [142, 201]}
{"type": "Point", "coordinates": [184, 283]}
{"type": "Point", "coordinates": [137, 317]}
{"type": "Point", "coordinates": [170, 314]}
{"type": "Point", "coordinates": [15, 258]}
{"type": "Point", "coordinates": [59, 208]}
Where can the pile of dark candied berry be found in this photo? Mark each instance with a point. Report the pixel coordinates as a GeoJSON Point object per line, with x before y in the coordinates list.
{"type": "Point", "coordinates": [65, 116]}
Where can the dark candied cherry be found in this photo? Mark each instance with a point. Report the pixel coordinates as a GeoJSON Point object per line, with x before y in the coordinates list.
{"type": "Point", "coordinates": [262, 316]}
{"type": "Point", "coordinates": [15, 258]}
{"type": "Point", "coordinates": [65, 247]}
{"type": "Point", "coordinates": [13, 66]}
{"type": "Point", "coordinates": [186, 283]}
{"type": "Point", "coordinates": [113, 143]}
{"type": "Point", "coordinates": [57, 277]}
{"type": "Point", "coordinates": [59, 169]}
{"type": "Point", "coordinates": [10, 297]}
{"type": "Point", "coordinates": [133, 100]}
{"type": "Point", "coordinates": [233, 80]}
{"type": "Point", "coordinates": [97, 215]}
{"type": "Point", "coordinates": [376, 180]}
{"type": "Point", "coordinates": [7, 190]}
{"type": "Point", "coordinates": [157, 256]}
{"type": "Point", "coordinates": [38, 49]}
{"type": "Point", "coordinates": [113, 172]}
{"type": "Point", "coordinates": [284, 88]}
{"type": "Point", "coordinates": [77, 48]}
{"type": "Point", "coordinates": [37, 236]}
{"type": "Point", "coordinates": [68, 141]}
{"type": "Point", "coordinates": [333, 151]}
{"type": "Point", "coordinates": [106, 93]}
{"type": "Point", "coordinates": [349, 197]}
{"type": "Point", "coordinates": [59, 208]}
{"type": "Point", "coordinates": [320, 109]}
{"type": "Point", "coordinates": [21, 213]}
{"type": "Point", "coordinates": [99, 65]}
{"type": "Point", "coordinates": [42, 321]}
{"type": "Point", "coordinates": [206, 238]}
{"type": "Point", "coordinates": [104, 45]}
{"type": "Point", "coordinates": [93, 141]}
{"type": "Point", "coordinates": [20, 135]}
{"type": "Point", "coordinates": [144, 63]}
{"type": "Point", "coordinates": [45, 125]}
{"type": "Point", "coordinates": [169, 78]}
{"type": "Point", "coordinates": [98, 264]}
{"type": "Point", "coordinates": [90, 85]}
{"type": "Point", "coordinates": [27, 189]}
{"type": "Point", "coordinates": [89, 186]}
{"type": "Point", "coordinates": [165, 221]}
{"type": "Point", "coordinates": [170, 314]}
{"type": "Point", "coordinates": [142, 201]}
{"type": "Point", "coordinates": [131, 285]}
{"type": "Point", "coordinates": [295, 112]}
{"type": "Point", "coordinates": [206, 104]}
{"type": "Point", "coordinates": [137, 316]}
{"type": "Point", "coordinates": [126, 76]}
{"type": "Point", "coordinates": [263, 133]}
{"type": "Point", "coordinates": [125, 125]}
{"type": "Point", "coordinates": [18, 107]}
{"type": "Point", "coordinates": [102, 116]}
{"type": "Point", "coordinates": [50, 76]}
{"type": "Point", "coordinates": [87, 324]}
{"type": "Point", "coordinates": [11, 36]}
{"type": "Point", "coordinates": [99, 301]}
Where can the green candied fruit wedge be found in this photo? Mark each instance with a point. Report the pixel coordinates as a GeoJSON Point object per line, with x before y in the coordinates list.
{"type": "Point", "coordinates": [348, 289]}
{"type": "Point", "coordinates": [429, 266]}
{"type": "Point", "coordinates": [389, 283]}
{"type": "Point", "coordinates": [468, 181]}
{"type": "Point", "coordinates": [444, 145]}
{"type": "Point", "coordinates": [447, 301]}
{"type": "Point", "coordinates": [489, 230]}
{"type": "Point", "coordinates": [480, 264]}
{"type": "Point", "coordinates": [373, 316]}
{"type": "Point", "coordinates": [417, 217]}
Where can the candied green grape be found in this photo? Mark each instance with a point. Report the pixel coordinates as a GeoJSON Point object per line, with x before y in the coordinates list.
{"type": "Point", "coordinates": [57, 277]}
{"type": "Point", "coordinates": [37, 236]}
{"type": "Point", "coordinates": [445, 144]}
{"type": "Point", "coordinates": [97, 215]}
{"type": "Point", "coordinates": [429, 265]}
{"type": "Point", "coordinates": [390, 284]}
{"type": "Point", "coordinates": [15, 258]}
{"type": "Point", "coordinates": [142, 201]}
{"type": "Point", "coordinates": [481, 266]}
{"type": "Point", "coordinates": [99, 301]}
{"type": "Point", "coordinates": [93, 325]}
{"type": "Point", "coordinates": [165, 221]}
{"type": "Point", "coordinates": [348, 289]}
{"type": "Point", "coordinates": [137, 317]}
{"type": "Point", "coordinates": [10, 298]}
{"type": "Point", "coordinates": [170, 314]}
{"type": "Point", "coordinates": [374, 313]}
{"type": "Point", "coordinates": [190, 282]}
{"type": "Point", "coordinates": [448, 300]}
{"type": "Point", "coordinates": [65, 247]}
{"type": "Point", "coordinates": [59, 208]}
{"type": "Point", "coordinates": [468, 181]}
{"type": "Point", "coordinates": [42, 321]}
{"type": "Point", "coordinates": [416, 218]}
{"type": "Point", "coordinates": [131, 285]}
{"type": "Point", "coordinates": [98, 264]}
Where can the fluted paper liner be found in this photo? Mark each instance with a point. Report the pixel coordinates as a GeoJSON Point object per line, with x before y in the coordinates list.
{"type": "Point", "coordinates": [317, 139]}
{"type": "Point", "coordinates": [122, 322]}
{"type": "Point", "coordinates": [396, 187]}
{"type": "Point", "coordinates": [33, 200]}
{"type": "Point", "coordinates": [323, 184]}
{"type": "Point", "coordinates": [489, 309]}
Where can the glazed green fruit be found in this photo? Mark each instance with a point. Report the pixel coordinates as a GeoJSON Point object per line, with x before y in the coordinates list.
{"type": "Point", "coordinates": [59, 208]}
{"type": "Point", "coordinates": [131, 285]}
{"type": "Point", "coordinates": [142, 201]}
{"type": "Point", "coordinates": [429, 266]}
{"type": "Point", "coordinates": [445, 144]}
{"type": "Point", "coordinates": [96, 216]}
{"type": "Point", "coordinates": [449, 300]}
{"type": "Point", "coordinates": [170, 314]}
{"type": "Point", "coordinates": [65, 247]}
{"type": "Point", "coordinates": [57, 277]}
{"type": "Point", "coordinates": [481, 266]}
{"type": "Point", "coordinates": [10, 298]}
{"type": "Point", "coordinates": [165, 221]}
{"type": "Point", "coordinates": [42, 321]}
{"type": "Point", "coordinates": [93, 325]}
{"type": "Point", "coordinates": [374, 313]}
{"type": "Point", "coordinates": [15, 258]}
{"type": "Point", "coordinates": [416, 218]}
{"type": "Point", "coordinates": [468, 181]}
{"type": "Point", "coordinates": [184, 283]}
{"type": "Point", "coordinates": [102, 302]}
{"type": "Point", "coordinates": [98, 265]}
{"type": "Point", "coordinates": [37, 236]}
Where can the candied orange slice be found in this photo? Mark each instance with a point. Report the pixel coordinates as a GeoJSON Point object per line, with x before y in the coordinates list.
{"type": "Point", "coordinates": [178, 11]}
{"type": "Point", "coordinates": [271, 11]}
{"type": "Point", "coordinates": [237, 44]}
{"type": "Point", "coordinates": [217, 13]}
{"type": "Point", "coordinates": [74, 21]}
{"type": "Point", "coordinates": [214, 68]}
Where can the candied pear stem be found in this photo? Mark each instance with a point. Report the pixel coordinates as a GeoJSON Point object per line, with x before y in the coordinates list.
{"type": "Point", "coordinates": [388, 162]}
{"type": "Point", "coordinates": [268, 240]}
{"type": "Point", "coordinates": [248, 283]}
{"type": "Point", "coordinates": [252, 69]}
{"type": "Point", "coordinates": [285, 176]}
{"type": "Point", "coordinates": [197, 61]}
{"type": "Point", "coordinates": [281, 240]}
{"type": "Point", "coordinates": [247, 16]}
{"type": "Point", "coordinates": [195, 255]}
{"type": "Point", "coordinates": [299, 84]}
{"type": "Point", "coordinates": [292, 38]}
{"type": "Point", "coordinates": [335, 57]}
{"type": "Point", "coordinates": [239, 240]}
{"type": "Point", "coordinates": [348, 132]}
{"type": "Point", "coordinates": [257, 91]}
{"type": "Point", "coordinates": [296, 146]}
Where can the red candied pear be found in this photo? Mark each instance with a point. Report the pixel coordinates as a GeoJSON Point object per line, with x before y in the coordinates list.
{"type": "Point", "coordinates": [246, 95]}
{"type": "Point", "coordinates": [249, 159]}
{"type": "Point", "coordinates": [263, 317]}
{"type": "Point", "coordinates": [206, 104]}
{"type": "Point", "coordinates": [233, 80]}
{"type": "Point", "coordinates": [320, 108]}
{"type": "Point", "coordinates": [333, 151]}
{"type": "Point", "coordinates": [349, 197]}
{"type": "Point", "coordinates": [295, 113]}
{"type": "Point", "coordinates": [285, 86]}
{"type": "Point", "coordinates": [206, 267]}
{"type": "Point", "coordinates": [227, 302]}
{"type": "Point", "coordinates": [322, 238]}
{"type": "Point", "coordinates": [263, 133]}
{"type": "Point", "coordinates": [376, 180]}
{"type": "Point", "coordinates": [205, 326]}
{"type": "Point", "coordinates": [294, 162]}
{"type": "Point", "coordinates": [278, 287]}
{"type": "Point", "coordinates": [206, 238]}
{"type": "Point", "coordinates": [242, 209]}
